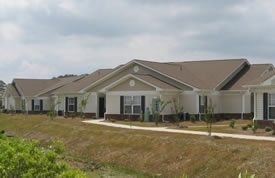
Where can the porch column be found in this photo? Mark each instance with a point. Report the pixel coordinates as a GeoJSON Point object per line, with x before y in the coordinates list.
{"type": "Point", "coordinates": [243, 105]}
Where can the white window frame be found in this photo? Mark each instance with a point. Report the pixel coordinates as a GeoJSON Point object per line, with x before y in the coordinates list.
{"type": "Point", "coordinates": [155, 104]}
{"type": "Point", "coordinates": [132, 102]}
{"type": "Point", "coordinates": [36, 105]}
{"type": "Point", "coordinates": [71, 102]}
{"type": "Point", "coordinates": [271, 104]}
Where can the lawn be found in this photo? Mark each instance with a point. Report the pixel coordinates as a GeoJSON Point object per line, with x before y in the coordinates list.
{"type": "Point", "coordinates": [144, 153]}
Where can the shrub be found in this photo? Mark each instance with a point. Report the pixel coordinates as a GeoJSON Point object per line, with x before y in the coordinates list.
{"type": "Point", "coordinates": [273, 132]}
{"type": "Point", "coordinates": [249, 125]}
{"type": "Point", "coordinates": [112, 120]}
{"type": "Point", "coordinates": [268, 129]}
{"type": "Point", "coordinates": [193, 118]}
{"type": "Point", "coordinates": [232, 123]}
{"type": "Point", "coordinates": [245, 127]}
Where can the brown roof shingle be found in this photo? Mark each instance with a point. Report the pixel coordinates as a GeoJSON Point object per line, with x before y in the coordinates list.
{"type": "Point", "coordinates": [75, 87]}
{"type": "Point", "coordinates": [198, 74]}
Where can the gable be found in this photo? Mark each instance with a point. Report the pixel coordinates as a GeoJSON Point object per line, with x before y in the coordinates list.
{"type": "Point", "coordinates": [132, 84]}
{"type": "Point", "coordinates": [135, 69]}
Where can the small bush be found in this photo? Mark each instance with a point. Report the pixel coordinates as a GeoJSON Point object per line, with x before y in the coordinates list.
{"type": "Point", "coordinates": [249, 125]}
{"type": "Point", "coordinates": [245, 127]}
{"type": "Point", "coordinates": [2, 131]}
{"type": "Point", "coordinates": [268, 129]}
{"type": "Point", "coordinates": [112, 120]}
{"type": "Point", "coordinates": [232, 123]}
{"type": "Point", "coordinates": [193, 118]}
{"type": "Point", "coordinates": [273, 132]}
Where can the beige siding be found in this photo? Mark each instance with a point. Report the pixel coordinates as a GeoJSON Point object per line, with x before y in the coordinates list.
{"type": "Point", "coordinates": [215, 101]}
{"type": "Point", "coordinates": [247, 108]}
{"type": "Point", "coordinates": [92, 106]}
{"type": "Point", "coordinates": [139, 86]}
{"type": "Point", "coordinates": [190, 103]}
{"type": "Point", "coordinates": [112, 104]}
{"type": "Point", "coordinates": [168, 97]}
{"type": "Point", "coordinates": [231, 103]}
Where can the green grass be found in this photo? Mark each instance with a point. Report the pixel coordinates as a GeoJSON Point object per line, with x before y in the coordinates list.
{"type": "Point", "coordinates": [145, 153]}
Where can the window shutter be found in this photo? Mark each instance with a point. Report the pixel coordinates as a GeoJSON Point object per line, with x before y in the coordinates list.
{"type": "Point", "coordinates": [205, 104]}
{"type": "Point", "coordinates": [66, 104]}
{"type": "Point", "coordinates": [32, 105]}
{"type": "Point", "coordinates": [75, 104]}
{"type": "Point", "coordinates": [265, 105]}
{"type": "Point", "coordinates": [121, 104]}
{"type": "Point", "coordinates": [41, 105]}
{"type": "Point", "coordinates": [142, 104]}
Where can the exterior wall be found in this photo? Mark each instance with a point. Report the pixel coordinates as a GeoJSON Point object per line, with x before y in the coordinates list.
{"type": "Point", "coordinates": [231, 103]}
{"type": "Point", "coordinates": [112, 104]}
{"type": "Point", "coordinates": [190, 103]}
{"type": "Point", "coordinates": [169, 96]}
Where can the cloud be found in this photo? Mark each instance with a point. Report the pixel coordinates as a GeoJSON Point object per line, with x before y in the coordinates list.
{"type": "Point", "coordinates": [10, 31]}
{"type": "Point", "coordinates": [69, 36]}
{"type": "Point", "coordinates": [28, 69]}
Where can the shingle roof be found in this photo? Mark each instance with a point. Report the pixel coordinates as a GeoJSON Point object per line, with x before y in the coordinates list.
{"type": "Point", "coordinates": [260, 79]}
{"type": "Point", "coordinates": [254, 73]}
{"type": "Point", "coordinates": [75, 87]}
{"type": "Point", "coordinates": [33, 87]}
{"type": "Point", "coordinates": [198, 74]}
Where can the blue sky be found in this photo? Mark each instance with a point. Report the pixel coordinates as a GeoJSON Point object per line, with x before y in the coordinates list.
{"type": "Point", "coordinates": [46, 38]}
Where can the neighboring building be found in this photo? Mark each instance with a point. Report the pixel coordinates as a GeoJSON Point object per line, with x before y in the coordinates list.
{"type": "Point", "coordinates": [33, 95]}
{"type": "Point", "coordinates": [133, 88]}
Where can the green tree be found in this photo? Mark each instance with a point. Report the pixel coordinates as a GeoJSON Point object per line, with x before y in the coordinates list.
{"type": "Point", "coordinates": [20, 158]}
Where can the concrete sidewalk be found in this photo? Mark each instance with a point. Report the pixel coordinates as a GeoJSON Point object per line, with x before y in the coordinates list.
{"type": "Point", "coordinates": [164, 129]}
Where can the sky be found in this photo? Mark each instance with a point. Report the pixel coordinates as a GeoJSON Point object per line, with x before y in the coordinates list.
{"type": "Point", "coordinates": [47, 38]}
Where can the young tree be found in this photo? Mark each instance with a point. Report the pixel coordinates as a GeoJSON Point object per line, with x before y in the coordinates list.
{"type": "Point", "coordinates": [177, 110]}
{"type": "Point", "coordinates": [83, 104]}
{"type": "Point", "coordinates": [161, 106]}
{"type": "Point", "coordinates": [209, 119]}
{"type": "Point", "coordinates": [52, 113]}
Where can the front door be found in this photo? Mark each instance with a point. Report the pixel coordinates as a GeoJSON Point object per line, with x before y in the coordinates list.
{"type": "Point", "coordinates": [102, 108]}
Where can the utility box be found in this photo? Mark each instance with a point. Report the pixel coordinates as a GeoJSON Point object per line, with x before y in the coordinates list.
{"type": "Point", "coordinates": [147, 115]}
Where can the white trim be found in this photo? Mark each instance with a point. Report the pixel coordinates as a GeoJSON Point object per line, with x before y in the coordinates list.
{"type": "Point", "coordinates": [131, 93]}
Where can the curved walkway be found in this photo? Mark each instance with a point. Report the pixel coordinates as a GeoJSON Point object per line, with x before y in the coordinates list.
{"type": "Point", "coordinates": [165, 129]}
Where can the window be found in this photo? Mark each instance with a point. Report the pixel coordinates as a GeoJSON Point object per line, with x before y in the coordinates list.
{"type": "Point", "coordinates": [128, 104]}
{"type": "Point", "coordinates": [271, 106]}
{"type": "Point", "coordinates": [137, 104]}
{"type": "Point", "coordinates": [132, 104]}
{"type": "Point", "coordinates": [71, 104]}
{"type": "Point", "coordinates": [36, 105]}
{"type": "Point", "coordinates": [155, 104]}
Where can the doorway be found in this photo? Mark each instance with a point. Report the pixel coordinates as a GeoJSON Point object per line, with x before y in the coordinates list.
{"type": "Point", "coordinates": [102, 109]}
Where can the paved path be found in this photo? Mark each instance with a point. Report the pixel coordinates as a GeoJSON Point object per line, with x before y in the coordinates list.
{"type": "Point", "coordinates": [165, 129]}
